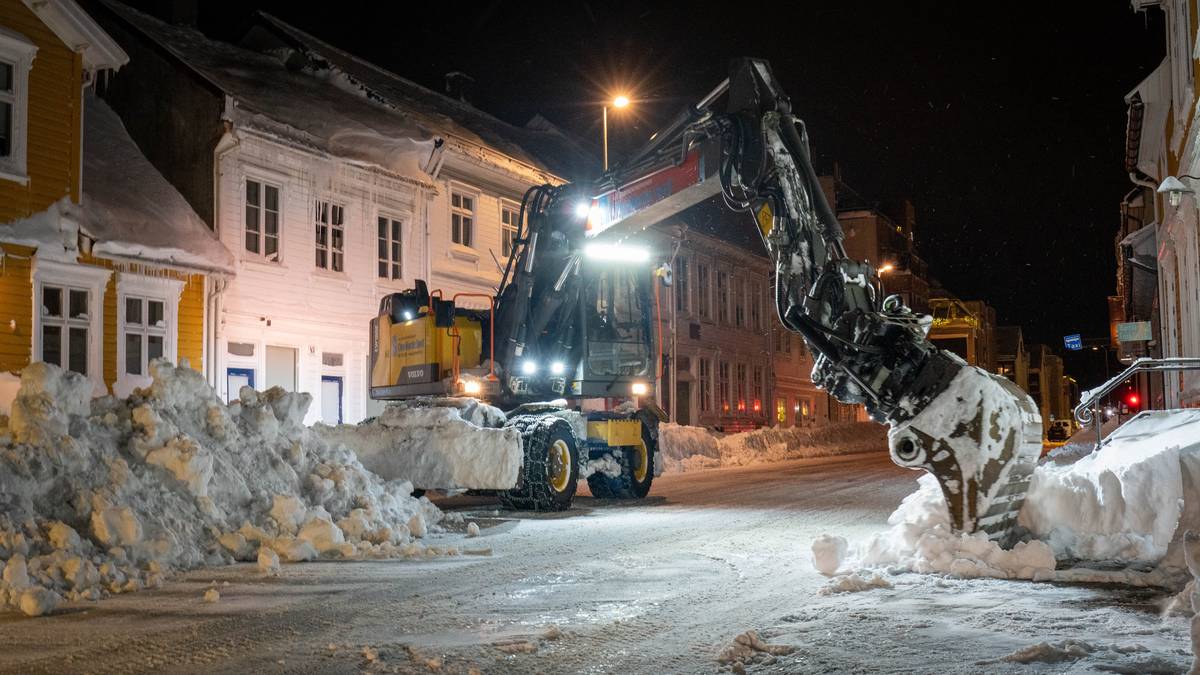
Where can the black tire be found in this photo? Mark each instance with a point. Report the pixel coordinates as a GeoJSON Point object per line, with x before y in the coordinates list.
{"type": "Point", "coordinates": [627, 485]}
{"type": "Point", "coordinates": [535, 490]}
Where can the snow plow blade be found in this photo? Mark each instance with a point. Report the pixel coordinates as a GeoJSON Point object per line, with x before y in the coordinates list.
{"type": "Point", "coordinates": [981, 437]}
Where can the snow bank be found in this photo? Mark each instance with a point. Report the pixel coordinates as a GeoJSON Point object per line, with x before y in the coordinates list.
{"type": "Point", "coordinates": [684, 448]}
{"type": "Point", "coordinates": [1123, 503]}
{"type": "Point", "coordinates": [108, 495]}
{"type": "Point", "coordinates": [446, 443]}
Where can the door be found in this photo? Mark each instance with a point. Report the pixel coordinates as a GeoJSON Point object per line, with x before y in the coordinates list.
{"type": "Point", "coordinates": [683, 407]}
{"type": "Point", "coordinates": [281, 368]}
{"type": "Point", "coordinates": [235, 379]}
{"type": "Point", "coordinates": [331, 399]}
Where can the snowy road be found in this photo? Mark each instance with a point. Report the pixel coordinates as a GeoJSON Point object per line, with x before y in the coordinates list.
{"type": "Point", "coordinates": [659, 586]}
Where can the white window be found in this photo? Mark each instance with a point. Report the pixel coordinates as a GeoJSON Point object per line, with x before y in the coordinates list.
{"type": "Point", "coordinates": [330, 219]}
{"type": "Point", "coordinates": [16, 58]}
{"type": "Point", "coordinates": [68, 317]}
{"type": "Point", "coordinates": [147, 325]}
{"type": "Point", "coordinates": [145, 328]}
{"type": "Point", "coordinates": [65, 326]}
{"type": "Point", "coordinates": [262, 219]}
{"type": "Point", "coordinates": [510, 218]}
{"type": "Point", "coordinates": [462, 218]}
{"type": "Point", "coordinates": [389, 249]}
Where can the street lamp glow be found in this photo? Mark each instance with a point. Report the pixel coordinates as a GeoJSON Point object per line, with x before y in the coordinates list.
{"type": "Point", "coordinates": [620, 101]}
{"type": "Point", "coordinates": [885, 268]}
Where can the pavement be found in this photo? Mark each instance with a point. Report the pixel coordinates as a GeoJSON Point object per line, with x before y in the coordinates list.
{"type": "Point", "coordinates": [664, 585]}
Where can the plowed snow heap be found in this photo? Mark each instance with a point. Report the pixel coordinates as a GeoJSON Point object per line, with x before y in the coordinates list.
{"type": "Point", "coordinates": [106, 495]}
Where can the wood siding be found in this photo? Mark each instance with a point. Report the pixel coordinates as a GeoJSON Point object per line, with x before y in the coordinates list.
{"type": "Point", "coordinates": [54, 114]}
{"type": "Point", "coordinates": [16, 303]}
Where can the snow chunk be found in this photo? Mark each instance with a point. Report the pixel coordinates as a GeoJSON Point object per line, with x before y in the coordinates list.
{"type": "Point", "coordinates": [853, 583]}
{"type": "Point", "coordinates": [268, 561]}
{"type": "Point", "coordinates": [1045, 652]}
{"type": "Point", "coordinates": [828, 553]}
{"type": "Point", "coordinates": [472, 530]}
{"type": "Point", "coordinates": [749, 647]}
{"type": "Point", "coordinates": [37, 601]}
{"type": "Point", "coordinates": [212, 595]}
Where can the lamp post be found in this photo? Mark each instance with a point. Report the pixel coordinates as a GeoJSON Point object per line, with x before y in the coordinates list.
{"type": "Point", "coordinates": [618, 102]}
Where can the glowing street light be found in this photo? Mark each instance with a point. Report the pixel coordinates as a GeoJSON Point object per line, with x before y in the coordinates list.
{"type": "Point", "coordinates": [621, 101]}
{"type": "Point", "coordinates": [885, 269]}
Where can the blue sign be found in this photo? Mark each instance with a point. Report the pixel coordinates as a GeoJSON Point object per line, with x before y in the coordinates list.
{"type": "Point", "coordinates": [1073, 342]}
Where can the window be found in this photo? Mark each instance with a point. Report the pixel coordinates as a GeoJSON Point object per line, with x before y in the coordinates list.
{"type": "Point", "coordinates": [389, 249]}
{"type": "Point", "coordinates": [510, 219]}
{"type": "Point", "coordinates": [739, 305]}
{"type": "Point", "coordinates": [723, 385]}
{"type": "Point", "coordinates": [145, 329]}
{"type": "Point", "coordinates": [755, 302]}
{"type": "Point", "coordinates": [65, 327]}
{"type": "Point", "coordinates": [756, 390]}
{"type": "Point", "coordinates": [722, 297]}
{"type": "Point", "coordinates": [681, 285]}
{"type": "Point", "coordinates": [783, 341]}
{"type": "Point", "coordinates": [16, 58]}
{"type": "Point", "coordinates": [262, 219]}
{"type": "Point", "coordinates": [740, 383]}
{"type": "Point", "coordinates": [330, 219]}
{"type": "Point", "coordinates": [705, 308]}
{"type": "Point", "coordinates": [781, 410]}
{"type": "Point", "coordinates": [705, 385]}
{"type": "Point", "coordinates": [462, 218]}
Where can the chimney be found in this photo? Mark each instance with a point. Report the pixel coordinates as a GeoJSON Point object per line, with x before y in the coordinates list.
{"type": "Point", "coordinates": [459, 85]}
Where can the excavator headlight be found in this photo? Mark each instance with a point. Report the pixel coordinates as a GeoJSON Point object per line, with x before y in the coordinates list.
{"type": "Point", "coordinates": [639, 389]}
{"type": "Point", "coordinates": [583, 210]}
{"type": "Point", "coordinates": [472, 387]}
{"type": "Point", "coordinates": [557, 368]}
{"type": "Point", "coordinates": [617, 253]}
{"type": "Point", "coordinates": [529, 368]}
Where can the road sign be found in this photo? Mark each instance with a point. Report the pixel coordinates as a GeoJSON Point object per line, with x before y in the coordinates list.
{"type": "Point", "coordinates": [1073, 342]}
{"type": "Point", "coordinates": [1133, 331]}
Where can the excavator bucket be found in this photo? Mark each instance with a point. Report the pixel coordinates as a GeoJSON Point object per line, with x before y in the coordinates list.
{"type": "Point", "coordinates": [981, 437]}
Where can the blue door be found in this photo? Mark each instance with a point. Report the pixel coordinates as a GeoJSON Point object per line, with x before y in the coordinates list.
{"type": "Point", "coordinates": [331, 399]}
{"type": "Point", "coordinates": [235, 379]}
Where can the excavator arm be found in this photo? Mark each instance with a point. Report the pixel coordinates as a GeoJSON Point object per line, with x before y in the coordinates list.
{"type": "Point", "coordinates": [976, 432]}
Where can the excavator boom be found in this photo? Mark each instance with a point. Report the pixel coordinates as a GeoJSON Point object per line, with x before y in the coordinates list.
{"type": "Point", "coordinates": [976, 432]}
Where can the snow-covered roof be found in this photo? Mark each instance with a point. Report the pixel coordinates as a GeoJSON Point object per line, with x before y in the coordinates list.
{"type": "Point", "coordinates": [80, 32]}
{"type": "Point", "coordinates": [540, 143]}
{"type": "Point", "coordinates": [130, 209]}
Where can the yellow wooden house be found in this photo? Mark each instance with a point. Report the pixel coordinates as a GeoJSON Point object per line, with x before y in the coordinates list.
{"type": "Point", "coordinates": [103, 265]}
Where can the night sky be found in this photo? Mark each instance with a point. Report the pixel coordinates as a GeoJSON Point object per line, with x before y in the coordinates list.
{"type": "Point", "coordinates": [1004, 127]}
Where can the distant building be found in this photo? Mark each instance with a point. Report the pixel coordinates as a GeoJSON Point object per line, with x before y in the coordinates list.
{"type": "Point", "coordinates": [965, 327]}
{"type": "Point", "coordinates": [1011, 360]}
{"type": "Point", "coordinates": [1158, 244]}
{"type": "Point", "coordinates": [1046, 385]}
{"type": "Point", "coordinates": [735, 367]}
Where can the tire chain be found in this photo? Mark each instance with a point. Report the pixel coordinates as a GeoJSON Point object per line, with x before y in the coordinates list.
{"type": "Point", "coordinates": [533, 492]}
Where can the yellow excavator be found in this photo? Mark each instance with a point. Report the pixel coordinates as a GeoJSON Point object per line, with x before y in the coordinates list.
{"type": "Point", "coordinates": [567, 345]}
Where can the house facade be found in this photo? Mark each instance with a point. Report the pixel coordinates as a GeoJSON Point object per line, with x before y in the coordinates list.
{"type": "Point", "coordinates": [105, 267]}
{"type": "Point", "coordinates": [333, 182]}
{"type": "Point", "coordinates": [1163, 140]}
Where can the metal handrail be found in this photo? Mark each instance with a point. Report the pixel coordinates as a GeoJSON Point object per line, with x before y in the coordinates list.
{"type": "Point", "coordinates": [1088, 409]}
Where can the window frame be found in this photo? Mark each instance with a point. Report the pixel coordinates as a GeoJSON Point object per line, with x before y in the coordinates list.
{"type": "Point", "coordinates": [462, 190]}
{"type": "Point", "coordinates": [704, 289]}
{"type": "Point", "coordinates": [722, 283]}
{"type": "Point", "coordinates": [704, 376]}
{"type": "Point", "coordinates": [509, 206]}
{"type": "Point", "coordinates": [724, 390]}
{"type": "Point", "coordinates": [682, 285]}
{"type": "Point", "coordinates": [392, 220]}
{"type": "Point", "coordinates": [164, 289]}
{"type": "Point", "coordinates": [331, 253]}
{"type": "Point", "coordinates": [264, 183]}
{"type": "Point", "coordinates": [19, 52]}
{"type": "Point", "coordinates": [80, 277]}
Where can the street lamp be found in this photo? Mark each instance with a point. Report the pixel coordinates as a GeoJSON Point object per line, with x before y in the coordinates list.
{"type": "Point", "coordinates": [885, 269]}
{"type": "Point", "coordinates": [1175, 189]}
{"type": "Point", "coordinates": [618, 102]}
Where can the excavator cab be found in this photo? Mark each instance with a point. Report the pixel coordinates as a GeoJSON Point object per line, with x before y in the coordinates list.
{"type": "Point", "coordinates": [618, 345]}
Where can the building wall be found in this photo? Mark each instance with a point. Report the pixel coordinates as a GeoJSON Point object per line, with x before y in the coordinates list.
{"type": "Point", "coordinates": [54, 119]}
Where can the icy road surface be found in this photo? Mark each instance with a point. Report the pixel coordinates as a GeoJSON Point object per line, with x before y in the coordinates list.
{"type": "Point", "coordinates": [661, 586]}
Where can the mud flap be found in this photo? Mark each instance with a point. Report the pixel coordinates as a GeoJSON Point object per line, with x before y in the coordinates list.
{"type": "Point", "coordinates": [981, 438]}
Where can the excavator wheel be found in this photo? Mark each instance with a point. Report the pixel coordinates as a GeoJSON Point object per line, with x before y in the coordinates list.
{"type": "Point", "coordinates": [550, 472]}
{"type": "Point", "coordinates": [637, 472]}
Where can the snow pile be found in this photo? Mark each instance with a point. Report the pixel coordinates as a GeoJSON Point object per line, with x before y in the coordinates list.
{"type": "Point", "coordinates": [692, 448]}
{"type": "Point", "coordinates": [921, 539]}
{"type": "Point", "coordinates": [1191, 553]}
{"type": "Point", "coordinates": [108, 495]}
{"type": "Point", "coordinates": [853, 583]}
{"type": "Point", "coordinates": [445, 443]}
{"type": "Point", "coordinates": [1125, 501]}
{"type": "Point", "coordinates": [828, 553]}
{"type": "Point", "coordinates": [749, 647]}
